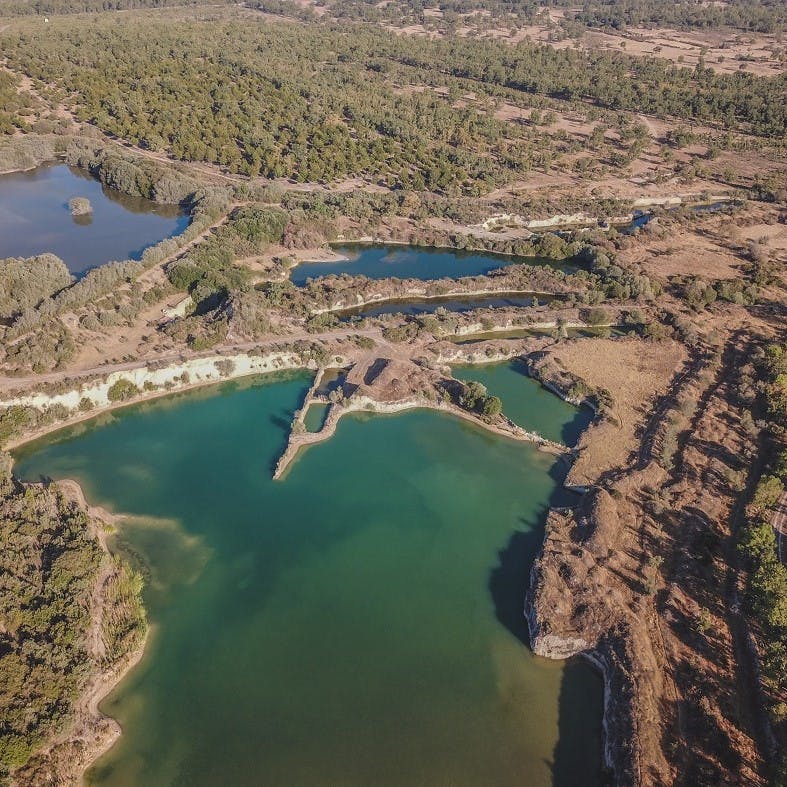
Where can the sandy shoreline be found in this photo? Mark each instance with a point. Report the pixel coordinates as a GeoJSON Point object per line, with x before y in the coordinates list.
{"type": "Point", "coordinates": [106, 729]}
{"type": "Point", "coordinates": [147, 396]}
{"type": "Point", "coordinates": [143, 396]}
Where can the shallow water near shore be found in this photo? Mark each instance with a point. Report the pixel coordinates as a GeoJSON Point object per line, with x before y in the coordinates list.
{"type": "Point", "coordinates": [379, 261]}
{"type": "Point", "coordinates": [526, 402]}
{"type": "Point", "coordinates": [359, 622]}
{"type": "Point", "coordinates": [35, 218]}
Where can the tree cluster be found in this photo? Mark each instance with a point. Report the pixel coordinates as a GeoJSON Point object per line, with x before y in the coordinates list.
{"type": "Point", "coordinates": [321, 102]}
{"type": "Point", "coordinates": [49, 566]}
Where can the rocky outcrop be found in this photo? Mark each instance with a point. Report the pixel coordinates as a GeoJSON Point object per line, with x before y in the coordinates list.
{"type": "Point", "coordinates": [581, 603]}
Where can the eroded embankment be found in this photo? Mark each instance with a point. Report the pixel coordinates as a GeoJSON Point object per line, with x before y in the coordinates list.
{"type": "Point", "coordinates": [102, 393]}
{"type": "Point", "coordinates": [596, 587]}
{"type": "Point", "coordinates": [573, 609]}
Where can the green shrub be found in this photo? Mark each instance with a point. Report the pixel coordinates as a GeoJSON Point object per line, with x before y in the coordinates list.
{"type": "Point", "coordinates": [598, 316]}
{"type": "Point", "coordinates": [122, 391]}
{"type": "Point", "coordinates": [492, 406]}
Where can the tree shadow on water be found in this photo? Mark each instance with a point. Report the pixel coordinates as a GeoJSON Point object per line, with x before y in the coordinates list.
{"type": "Point", "coordinates": [509, 580]}
{"type": "Point", "coordinates": [572, 430]}
{"type": "Point", "coordinates": [577, 756]}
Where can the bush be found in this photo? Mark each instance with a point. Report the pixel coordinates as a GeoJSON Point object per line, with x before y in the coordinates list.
{"type": "Point", "coordinates": [598, 316]}
{"type": "Point", "coordinates": [122, 391]}
{"type": "Point", "coordinates": [225, 367]}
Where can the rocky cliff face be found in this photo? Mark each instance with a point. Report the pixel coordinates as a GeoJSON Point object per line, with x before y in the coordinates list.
{"type": "Point", "coordinates": [584, 600]}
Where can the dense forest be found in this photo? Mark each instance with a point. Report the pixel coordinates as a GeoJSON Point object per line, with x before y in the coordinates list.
{"type": "Point", "coordinates": [763, 388]}
{"type": "Point", "coordinates": [54, 7]}
{"type": "Point", "coordinates": [14, 105]}
{"type": "Point", "coordinates": [49, 566]}
{"type": "Point", "coordinates": [761, 16]}
{"type": "Point", "coordinates": [325, 102]}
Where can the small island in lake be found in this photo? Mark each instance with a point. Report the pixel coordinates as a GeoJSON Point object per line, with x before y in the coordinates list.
{"type": "Point", "coordinates": [80, 206]}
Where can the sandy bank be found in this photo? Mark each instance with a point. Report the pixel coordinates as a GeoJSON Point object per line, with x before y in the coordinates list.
{"type": "Point", "coordinates": [152, 384]}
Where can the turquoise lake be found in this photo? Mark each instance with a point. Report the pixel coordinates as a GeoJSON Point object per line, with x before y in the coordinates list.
{"type": "Point", "coordinates": [526, 402]}
{"type": "Point", "coordinates": [358, 622]}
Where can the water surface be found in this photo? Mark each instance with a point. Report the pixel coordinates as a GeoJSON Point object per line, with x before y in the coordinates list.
{"type": "Point", "coordinates": [35, 218]}
{"type": "Point", "coordinates": [357, 623]}
{"type": "Point", "coordinates": [315, 416]}
{"type": "Point", "coordinates": [412, 262]}
{"type": "Point", "coordinates": [524, 333]}
{"type": "Point", "coordinates": [526, 402]}
{"type": "Point", "coordinates": [416, 306]}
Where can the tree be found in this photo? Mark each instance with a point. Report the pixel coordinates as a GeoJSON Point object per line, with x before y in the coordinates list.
{"type": "Point", "coordinates": [473, 394]}
{"type": "Point", "coordinates": [492, 406]}
{"type": "Point", "coordinates": [768, 492]}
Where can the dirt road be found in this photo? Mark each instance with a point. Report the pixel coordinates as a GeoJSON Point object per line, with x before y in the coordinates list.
{"type": "Point", "coordinates": [10, 383]}
{"type": "Point", "coordinates": [779, 522]}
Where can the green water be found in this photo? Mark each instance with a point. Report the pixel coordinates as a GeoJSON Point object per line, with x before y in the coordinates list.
{"type": "Point", "coordinates": [526, 402]}
{"type": "Point", "coordinates": [315, 416]}
{"type": "Point", "coordinates": [524, 333]}
{"type": "Point", "coordinates": [358, 623]}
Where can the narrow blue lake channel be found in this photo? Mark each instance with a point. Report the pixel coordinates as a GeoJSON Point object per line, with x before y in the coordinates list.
{"type": "Point", "coordinates": [412, 262]}
{"type": "Point", "coordinates": [416, 306]}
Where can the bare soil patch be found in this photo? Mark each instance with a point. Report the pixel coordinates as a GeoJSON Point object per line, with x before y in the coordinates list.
{"type": "Point", "coordinates": [683, 254]}
{"type": "Point", "coordinates": [712, 246]}
{"type": "Point", "coordinates": [724, 51]}
{"type": "Point", "coordinates": [635, 372]}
